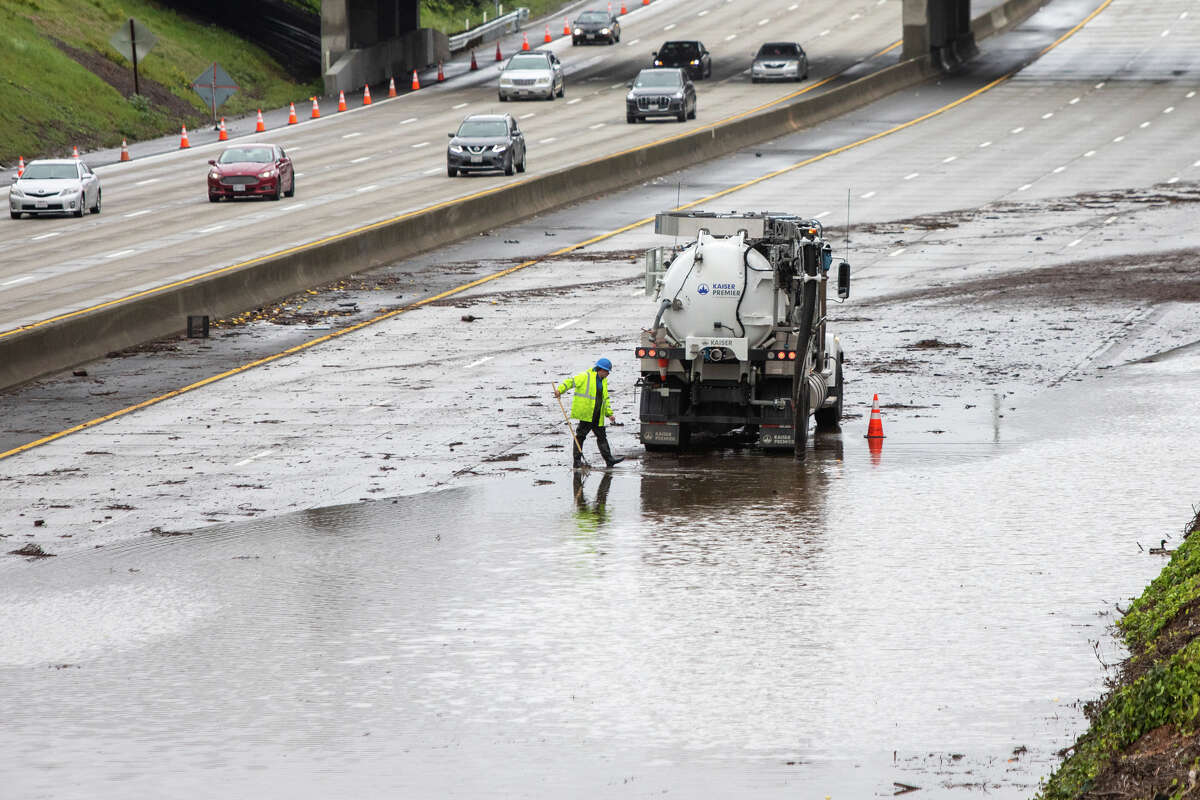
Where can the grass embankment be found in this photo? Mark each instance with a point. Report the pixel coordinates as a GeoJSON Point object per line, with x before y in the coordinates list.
{"type": "Point", "coordinates": [1143, 740]}
{"type": "Point", "coordinates": [53, 96]}
{"type": "Point", "coordinates": [452, 16]}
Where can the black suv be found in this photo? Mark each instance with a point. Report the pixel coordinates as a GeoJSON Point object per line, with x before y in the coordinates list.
{"type": "Point", "coordinates": [691, 57]}
{"type": "Point", "coordinates": [486, 142]}
{"type": "Point", "coordinates": [596, 26]}
{"type": "Point", "coordinates": [661, 92]}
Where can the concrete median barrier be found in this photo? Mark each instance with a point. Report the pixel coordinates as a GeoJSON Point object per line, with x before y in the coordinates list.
{"type": "Point", "coordinates": [56, 344]}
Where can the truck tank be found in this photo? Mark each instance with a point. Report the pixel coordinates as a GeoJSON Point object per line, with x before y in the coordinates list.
{"type": "Point", "coordinates": [721, 286]}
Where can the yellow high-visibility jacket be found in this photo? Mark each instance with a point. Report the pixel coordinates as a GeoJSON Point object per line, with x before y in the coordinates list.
{"type": "Point", "coordinates": [583, 405]}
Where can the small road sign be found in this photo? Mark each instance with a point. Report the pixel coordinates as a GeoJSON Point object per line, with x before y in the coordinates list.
{"type": "Point", "coordinates": [215, 86]}
{"type": "Point", "coordinates": [133, 40]}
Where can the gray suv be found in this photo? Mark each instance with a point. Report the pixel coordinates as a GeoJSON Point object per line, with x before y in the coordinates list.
{"type": "Point", "coordinates": [661, 92]}
{"type": "Point", "coordinates": [486, 143]}
{"type": "Point", "coordinates": [536, 74]}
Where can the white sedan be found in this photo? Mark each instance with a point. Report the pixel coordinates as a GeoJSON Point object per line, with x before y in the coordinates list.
{"type": "Point", "coordinates": [55, 186]}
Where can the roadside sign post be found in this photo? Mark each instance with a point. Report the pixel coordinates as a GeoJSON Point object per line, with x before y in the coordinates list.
{"type": "Point", "coordinates": [215, 86]}
{"type": "Point", "coordinates": [131, 39]}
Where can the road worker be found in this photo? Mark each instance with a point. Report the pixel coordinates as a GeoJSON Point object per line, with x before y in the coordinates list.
{"type": "Point", "coordinates": [590, 406]}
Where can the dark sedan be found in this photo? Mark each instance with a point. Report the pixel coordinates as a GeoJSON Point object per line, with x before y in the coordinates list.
{"type": "Point", "coordinates": [251, 170]}
{"type": "Point", "coordinates": [596, 26]}
{"type": "Point", "coordinates": [486, 142]}
{"type": "Point", "coordinates": [692, 57]}
{"type": "Point", "coordinates": [661, 92]}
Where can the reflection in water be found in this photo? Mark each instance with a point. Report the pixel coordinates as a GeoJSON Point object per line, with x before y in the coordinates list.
{"type": "Point", "coordinates": [718, 623]}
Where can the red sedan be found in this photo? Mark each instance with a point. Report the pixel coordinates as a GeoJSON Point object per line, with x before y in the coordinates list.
{"type": "Point", "coordinates": [251, 170]}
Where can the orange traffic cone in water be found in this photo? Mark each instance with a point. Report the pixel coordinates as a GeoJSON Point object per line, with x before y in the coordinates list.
{"type": "Point", "coordinates": [124, 151]}
{"type": "Point", "coordinates": [548, 37]}
{"type": "Point", "coordinates": [416, 84]}
{"type": "Point", "coordinates": [292, 114]}
{"type": "Point", "coordinates": [524, 41]}
{"type": "Point", "coordinates": [875, 426]}
{"type": "Point", "coordinates": [391, 87]}
{"type": "Point", "coordinates": [316, 112]}
{"type": "Point", "coordinates": [75, 150]}
{"type": "Point", "coordinates": [20, 166]}
{"type": "Point", "coordinates": [183, 139]}
{"type": "Point", "coordinates": [474, 63]}
{"type": "Point", "coordinates": [441, 73]}
{"type": "Point", "coordinates": [222, 134]}
{"type": "Point", "coordinates": [498, 56]}
{"type": "Point", "coordinates": [566, 27]}
{"type": "Point", "coordinates": [367, 94]}
{"type": "Point", "coordinates": [341, 100]}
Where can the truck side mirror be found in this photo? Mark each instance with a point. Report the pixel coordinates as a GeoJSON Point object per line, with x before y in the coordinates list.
{"type": "Point", "coordinates": [843, 280]}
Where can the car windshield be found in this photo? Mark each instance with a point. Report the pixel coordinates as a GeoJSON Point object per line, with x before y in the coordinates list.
{"type": "Point", "coordinates": [657, 78]}
{"type": "Point", "coordinates": [235, 155]}
{"type": "Point", "coordinates": [778, 51]}
{"type": "Point", "coordinates": [593, 16]}
{"type": "Point", "coordinates": [51, 172]}
{"type": "Point", "coordinates": [528, 62]}
{"type": "Point", "coordinates": [678, 50]}
{"type": "Point", "coordinates": [483, 127]}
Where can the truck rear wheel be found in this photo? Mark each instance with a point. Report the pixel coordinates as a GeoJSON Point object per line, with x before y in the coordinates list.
{"type": "Point", "coordinates": [831, 416]}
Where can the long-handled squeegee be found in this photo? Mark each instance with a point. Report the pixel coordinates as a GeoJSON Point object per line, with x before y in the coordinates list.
{"type": "Point", "coordinates": [570, 430]}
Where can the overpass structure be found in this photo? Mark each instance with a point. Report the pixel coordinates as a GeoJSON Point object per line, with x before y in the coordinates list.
{"type": "Point", "coordinates": [368, 41]}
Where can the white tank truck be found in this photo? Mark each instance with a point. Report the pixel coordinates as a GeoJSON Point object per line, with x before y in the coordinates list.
{"type": "Point", "coordinates": [739, 340]}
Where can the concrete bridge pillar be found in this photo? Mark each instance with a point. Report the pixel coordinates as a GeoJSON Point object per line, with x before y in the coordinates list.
{"type": "Point", "coordinates": [940, 29]}
{"type": "Point", "coordinates": [372, 40]}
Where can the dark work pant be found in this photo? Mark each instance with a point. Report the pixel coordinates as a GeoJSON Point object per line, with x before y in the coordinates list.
{"type": "Point", "coordinates": [581, 432]}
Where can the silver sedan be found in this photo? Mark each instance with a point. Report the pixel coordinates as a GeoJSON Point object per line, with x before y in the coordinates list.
{"type": "Point", "coordinates": [55, 186]}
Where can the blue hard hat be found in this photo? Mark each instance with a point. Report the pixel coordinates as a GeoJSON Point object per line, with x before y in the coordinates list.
{"type": "Point", "coordinates": [604, 364]}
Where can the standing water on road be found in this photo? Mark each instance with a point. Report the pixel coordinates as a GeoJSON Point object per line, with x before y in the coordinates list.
{"type": "Point", "coordinates": [720, 623]}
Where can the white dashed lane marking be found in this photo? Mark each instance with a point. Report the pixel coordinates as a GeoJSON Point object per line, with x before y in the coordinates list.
{"type": "Point", "coordinates": [480, 361]}
{"type": "Point", "coordinates": [254, 457]}
{"type": "Point", "coordinates": [566, 324]}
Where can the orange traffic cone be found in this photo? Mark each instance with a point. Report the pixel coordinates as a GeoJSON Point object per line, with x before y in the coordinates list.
{"type": "Point", "coordinates": [341, 100]}
{"type": "Point", "coordinates": [441, 73]}
{"type": "Point", "coordinates": [524, 41]}
{"type": "Point", "coordinates": [20, 166]}
{"type": "Point", "coordinates": [391, 87]}
{"type": "Point", "coordinates": [645, 2]}
{"type": "Point", "coordinates": [259, 125]}
{"type": "Point", "coordinates": [416, 84]}
{"type": "Point", "coordinates": [124, 151]}
{"type": "Point", "coordinates": [566, 27]}
{"type": "Point", "coordinates": [623, 9]}
{"type": "Point", "coordinates": [875, 426]}
{"type": "Point", "coordinates": [183, 140]}
{"type": "Point", "coordinates": [292, 114]}
{"type": "Point", "coordinates": [75, 150]}
{"type": "Point", "coordinates": [367, 94]}
{"type": "Point", "coordinates": [498, 56]}
{"type": "Point", "coordinates": [548, 39]}
{"type": "Point", "coordinates": [222, 134]}
{"type": "Point", "coordinates": [316, 112]}
{"type": "Point", "coordinates": [474, 63]}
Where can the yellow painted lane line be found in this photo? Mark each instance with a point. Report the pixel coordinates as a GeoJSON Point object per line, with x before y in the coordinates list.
{"type": "Point", "coordinates": [523, 265]}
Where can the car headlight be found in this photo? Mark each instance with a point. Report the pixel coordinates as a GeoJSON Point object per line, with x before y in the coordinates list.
{"type": "Point", "coordinates": [695, 62]}
{"type": "Point", "coordinates": [605, 31]}
{"type": "Point", "coordinates": [579, 31]}
{"type": "Point", "coordinates": [454, 148]}
{"type": "Point", "coordinates": [69, 192]}
{"type": "Point", "coordinates": [214, 175]}
{"type": "Point", "coordinates": [499, 148]}
{"type": "Point", "coordinates": [657, 63]}
{"type": "Point", "coordinates": [542, 81]}
{"type": "Point", "coordinates": [16, 192]}
{"type": "Point", "coordinates": [679, 95]}
{"type": "Point", "coordinates": [631, 98]}
{"type": "Point", "coordinates": [268, 173]}
{"type": "Point", "coordinates": [505, 81]}
{"type": "Point", "coordinates": [792, 64]}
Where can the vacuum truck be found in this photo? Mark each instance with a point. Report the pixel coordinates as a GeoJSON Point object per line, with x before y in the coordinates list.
{"type": "Point", "coordinates": [739, 340]}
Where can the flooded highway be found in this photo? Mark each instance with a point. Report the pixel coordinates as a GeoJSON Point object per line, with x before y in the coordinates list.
{"type": "Point", "coordinates": [709, 623]}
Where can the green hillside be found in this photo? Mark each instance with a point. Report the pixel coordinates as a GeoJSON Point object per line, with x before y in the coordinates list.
{"type": "Point", "coordinates": [59, 72]}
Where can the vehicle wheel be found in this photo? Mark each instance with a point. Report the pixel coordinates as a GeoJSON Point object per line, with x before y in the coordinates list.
{"type": "Point", "coordinates": [682, 115]}
{"type": "Point", "coordinates": [562, 90]}
{"type": "Point", "coordinates": [521, 164]}
{"type": "Point", "coordinates": [755, 80]}
{"type": "Point", "coordinates": [575, 43]}
{"type": "Point", "coordinates": [631, 119]}
{"type": "Point", "coordinates": [14, 214]}
{"type": "Point", "coordinates": [693, 114]}
{"type": "Point", "coordinates": [278, 191]}
{"type": "Point", "coordinates": [79, 211]}
{"type": "Point", "coordinates": [214, 198]}
{"type": "Point", "coordinates": [831, 417]}
{"type": "Point", "coordinates": [292, 191]}
{"type": "Point", "coordinates": [508, 166]}
{"type": "Point", "coordinates": [96, 208]}
{"type": "Point", "coordinates": [451, 172]}
{"type": "Point", "coordinates": [503, 99]}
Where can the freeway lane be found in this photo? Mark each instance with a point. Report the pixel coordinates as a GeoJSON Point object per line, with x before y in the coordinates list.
{"type": "Point", "coordinates": [372, 164]}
